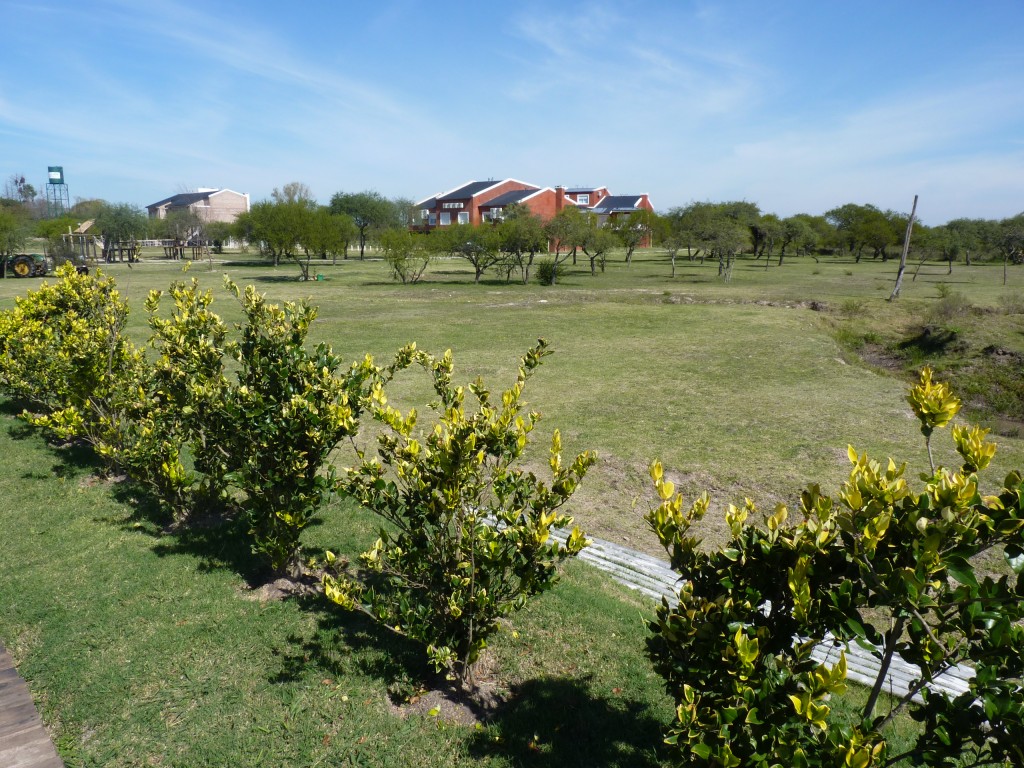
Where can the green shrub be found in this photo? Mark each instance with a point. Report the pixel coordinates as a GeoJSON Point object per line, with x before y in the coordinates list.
{"type": "Point", "coordinates": [1012, 303]}
{"type": "Point", "coordinates": [881, 564]}
{"type": "Point", "coordinates": [546, 272]}
{"type": "Point", "coordinates": [289, 410]}
{"type": "Point", "coordinates": [468, 535]}
{"type": "Point", "coordinates": [852, 307]}
{"type": "Point", "coordinates": [179, 413]}
{"type": "Point", "coordinates": [949, 307]}
{"type": "Point", "coordinates": [65, 357]}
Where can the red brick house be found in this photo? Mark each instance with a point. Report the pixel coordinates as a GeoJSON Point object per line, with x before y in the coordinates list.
{"type": "Point", "coordinates": [478, 201]}
{"type": "Point", "coordinates": [463, 204]}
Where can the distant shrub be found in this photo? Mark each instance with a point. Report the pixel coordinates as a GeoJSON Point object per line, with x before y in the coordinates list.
{"type": "Point", "coordinates": [949, 307]}
{"type": "Point", "coordinates": [852, 307]}
{"type": "Point", "coordinates": [945, 290]}
{"type": "Point", "coordinates": [1012, 303]}
{"type": "Point", "coordinates": [546, 272]}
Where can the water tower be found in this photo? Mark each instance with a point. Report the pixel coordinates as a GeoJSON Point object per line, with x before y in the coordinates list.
{"type": "Point", "coordinates": [57, 200]}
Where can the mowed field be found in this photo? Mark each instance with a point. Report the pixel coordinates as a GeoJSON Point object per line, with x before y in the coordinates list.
{"type": "Point", "coordinates": [739, 388]}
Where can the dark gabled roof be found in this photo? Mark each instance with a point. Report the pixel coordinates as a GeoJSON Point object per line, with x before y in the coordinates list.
{"type": "Point", "coordinates": [468, 190]}
{"type": "Point", "coordinates": [515, 196]}
{"type": "Point", "coordinates": [182, 199]}
{"type": "Point", "coordinates": [618, 204]}
{"type": "Point", "coordinates": [427, 204]}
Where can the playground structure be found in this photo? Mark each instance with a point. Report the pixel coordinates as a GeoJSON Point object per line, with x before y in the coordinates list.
{"type": "Point", "coordinates": [121, 250]}
{"type": "Point", "coordinates": [176, 248]}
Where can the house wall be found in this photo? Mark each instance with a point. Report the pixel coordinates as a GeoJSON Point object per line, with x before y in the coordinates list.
{"type": "Point", "coordinates": [489, 194]}
{"type": "Point", "coordinates": [545, 205]}
{"type": "Point", "coordinates": [225, 206]}
{"type": "Point", "coordinates": [596, 196]}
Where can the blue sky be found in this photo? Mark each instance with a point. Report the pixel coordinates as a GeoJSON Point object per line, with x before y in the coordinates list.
{"type": "Point", "coordinates": [797, 106]}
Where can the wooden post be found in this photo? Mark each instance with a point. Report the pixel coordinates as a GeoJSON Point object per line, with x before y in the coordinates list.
{"type": "Point", "coordinates": [903, 257]}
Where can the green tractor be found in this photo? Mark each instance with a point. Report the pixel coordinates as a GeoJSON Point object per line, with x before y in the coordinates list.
{"type": "Point", "coordinates": [37, 265]}
{"type": "Point", "coordinates": [28, 265]}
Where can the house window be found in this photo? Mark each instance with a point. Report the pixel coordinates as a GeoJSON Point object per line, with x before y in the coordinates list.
{"type": "Point", "coordinates": [424, 213]}
{"type": "Point", "coordinates": [446, 218]}
{"type": "Point", "coordinates": [432, 220]}
{"type": "Point", "coordinates": [463, 217]}
{"type": "Point", "coordinates": [453, 205]}
{"type": "Point", "coordinates": [583, 199]}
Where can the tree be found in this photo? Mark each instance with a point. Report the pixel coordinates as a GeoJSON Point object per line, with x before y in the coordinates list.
{"type": "Point", "coordinates": [719, 230]}
{"type": "Point", "coordinates": [881, 565]}
{"type": "Point", "coordinates": [119, 225]}
{"type": "Point", "coordinates": [327, 234]}
{"type": "Point", "coordinates": [12, 232]}
{"type": "Point", "coordinates": [767, 231]}
{"type": "Point", "coordinates": [369, 210]}
{"type": "Point", "coordinates": [1010, 241]}
{"type": "Point", "coordinates": [17, 188]}
{"type": "Point", "coordinates": [278, 228]}
{"type": "Point", "coordinates": [566, 229]}
{"type": "Point", "coordinates": [970, 235]}
{"type": "Point", "coordinates": [293, 192]}
{"type": "Point", "coordinates": [405, 212]}
{"type": "Point", "coordinates": [634, 229]}
{"type": "Point", "coordinates": [520, 238]}
{"type": "Point", "coordinates": [799, 234]}
{"type": "Point", "coordinates": [479, 245]}
{"type": "Point", "coordinates": [84, 210]}
{"type": "Point", "coordinates": [466, 538]}
{"type": "Point", "coordinates": [596, 245]}
{"type": "Point", "coordinates": [218, 233]}
{"type": "Point", "coordinates": [406, 253]}
{"type": "Point", "coordinates": [860, 226]}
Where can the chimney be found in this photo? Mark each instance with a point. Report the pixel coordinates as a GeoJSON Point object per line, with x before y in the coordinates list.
{"type": "Point", "coordinates": [559, 198]}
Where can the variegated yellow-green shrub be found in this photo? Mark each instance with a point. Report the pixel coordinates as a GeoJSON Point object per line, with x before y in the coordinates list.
{"type": "Point", "coordinates": [469, 535]}
{"type": "Point", "coordinates": [288, 410]}
{"type": "Point", "coordinates": [881, 564]}
{"type": "Point", "coordinates": [172, 440]}
{"type": "Point", "coordinates": [63, 355]}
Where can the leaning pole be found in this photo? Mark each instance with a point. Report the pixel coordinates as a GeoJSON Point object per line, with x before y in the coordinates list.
{"type": "Point", "coordinates": [903, 256]}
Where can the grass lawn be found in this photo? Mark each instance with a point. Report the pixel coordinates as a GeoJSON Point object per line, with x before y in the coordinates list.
{"type": "Point", "coordinates": [154, 650]}
{"type": "Point", "coordinates": [751, 388]}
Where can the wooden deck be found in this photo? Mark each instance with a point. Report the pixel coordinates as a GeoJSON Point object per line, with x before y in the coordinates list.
{"type": "Point", "coordinates": [24, 742]}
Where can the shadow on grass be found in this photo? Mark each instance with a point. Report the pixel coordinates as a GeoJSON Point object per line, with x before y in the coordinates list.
{"type": "Point", "coordinates": [546, 722]}
{"type": "Point", "coordinates": [10, 407]}
{"type": "Point", "coordinates": [218, 543]}
{"type": "Point", "coordinates": [557, 722]}
{"type": "Point", "coordinates": [347, 641]}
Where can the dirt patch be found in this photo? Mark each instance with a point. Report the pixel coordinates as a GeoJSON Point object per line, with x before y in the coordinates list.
{"type": "Point", "coordinates": [284, 587]}
{"type": "Point", "coordinates": [451, 702]}
{"type": "Point", "coordinates": [90, 481]}
{"type": "Point", "coordinates": [880, 357]}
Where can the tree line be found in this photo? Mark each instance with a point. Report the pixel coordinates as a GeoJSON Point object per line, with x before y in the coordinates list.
{"type": "Point", "coordinates": [292, 226]}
